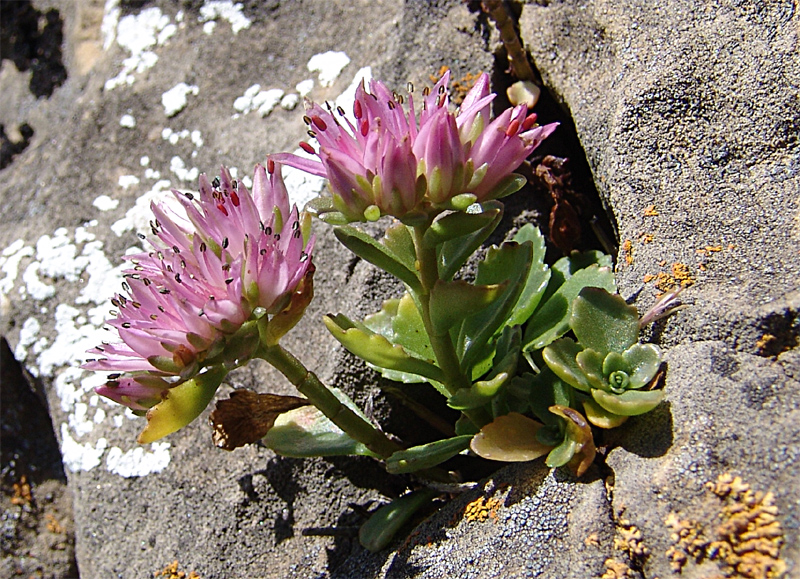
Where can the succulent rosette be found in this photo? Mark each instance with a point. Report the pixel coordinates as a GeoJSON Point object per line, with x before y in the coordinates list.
{"type": "Point", "coordinates": [389, 161]}
{"type": "Point", "coordinates": [191, 305]}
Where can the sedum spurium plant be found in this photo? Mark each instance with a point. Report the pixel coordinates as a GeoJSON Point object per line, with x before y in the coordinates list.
{"type": "Point", "coordinates": [533, 356]}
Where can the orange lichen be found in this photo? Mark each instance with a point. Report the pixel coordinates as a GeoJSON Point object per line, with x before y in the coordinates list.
{"type": "Point", "coordinates": [765, 343]}
{"type": "Point", "coordinates": [22, 492]}
{"type": "Point", "coordinates": [629, 539]}
{"type": "Point", "coordinates": [458, 87]}
{"type": "Point", "coordinates": [650, 211]}
{"type": "Point", "coordinates": [646, 237]}
{"type": "Point", "coordinates": [627, 251]}
{"type": "Point", "coordinates": [616, 569]}
{"type": "Point", "coordinates": [648, 278]}
{"type": "Point", "coordinates": [482, 508]}
{"type": "Point", "coordinates": [592, 540]}
{"type": "Point", "coordinates": [746, 543]}
{"type": "Point", "coordinates": [53, 525]}
{"type": "Point", "coordinates": [171, 572]}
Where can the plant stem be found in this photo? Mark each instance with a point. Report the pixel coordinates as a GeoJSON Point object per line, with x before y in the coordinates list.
{"type": "Point", "coordinates": [442, 345]}
{"type": "Point", "coordinates": [320, 396]}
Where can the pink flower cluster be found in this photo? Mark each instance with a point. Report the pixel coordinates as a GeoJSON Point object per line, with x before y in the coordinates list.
{"type": "Point", "coordinates": [389, 159]}
{"type": "Point", "coordinates": [233, 253]}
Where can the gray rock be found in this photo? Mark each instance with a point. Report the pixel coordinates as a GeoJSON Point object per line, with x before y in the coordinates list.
{"type": "Point", "coordinates": [679, 106]}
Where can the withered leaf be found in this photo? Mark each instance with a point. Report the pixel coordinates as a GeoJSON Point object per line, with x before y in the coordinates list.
{"type": "Point", "coordinates": [247, 416]}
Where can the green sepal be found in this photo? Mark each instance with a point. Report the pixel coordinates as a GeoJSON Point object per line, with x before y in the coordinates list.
{"type": "Point", "coordinates": [456, 224]}
{"type": "Point", "coordinates": [630, 402]}
{"type": "Point", "coordinates": [462, 201]}
{"type": "Point", "coordinates": [375, 349]}
{"type": "Point", "coordinates": [181, 404]}
{"type": "Point", "coordinates": [509, 263]}
{"type": "Point", "coordinates": [384, 523]}
{"type": "Point", "coordinates": [454, 253]}
{"type": "Point", "coordinates": [334, 218]}
{"type": "Point", "coordinates": [453, 301]}
{"type": "Point", "coordinates": [551, 320]}
{"type": "Point", "coordinates": [377, 254]}
{"type": "Point", "coordinates": [426, 455]}
{"type": "Point", "coordinates": [603, 321]}
{"type": "Point", "coordinates": [478, 394]}
{"type": "Point", "coordinates": [560, 358]}
{"type": "Point", "coordinates": [165, 364]}
{"type": "Point", "coordinates": [538, 276]}
{"type": "Point", "coordinates": [306, 432]}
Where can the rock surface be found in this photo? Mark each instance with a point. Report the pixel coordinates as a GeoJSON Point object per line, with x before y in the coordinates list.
{"type": "Point", "coordinates": [688, 117]}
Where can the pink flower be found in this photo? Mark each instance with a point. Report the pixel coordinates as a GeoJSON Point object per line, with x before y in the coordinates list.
{"type": "Point", "coordinates": [393, 161]}
{"type": "Point", "coordinates": [232, 257]}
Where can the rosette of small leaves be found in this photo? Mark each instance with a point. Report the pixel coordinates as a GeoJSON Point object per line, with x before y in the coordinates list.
{"type": "Point", "coordinates": [607, 361]}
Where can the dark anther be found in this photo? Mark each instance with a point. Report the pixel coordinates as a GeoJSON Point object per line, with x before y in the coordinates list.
{"type": "Point", "coordinates": [202, 246]}
{"type": "Point", "coordinates": [178, 277]}
{"type": "Point", "coordinates": [229, 281]}
{"type": "Point", "coordinates": [311, 134]}
{"type": "Point", "coordinates": [340, 110]}
{"type": "Point", "coordinates": [153, 317]}
{"type": "Point", "coordinates": [307, 119]}
{"type": "Point", "coordinates": [176, 249]}
{"type": "Point", "coordinates": [263, 252]}
{"type": "Point", "coordinates": [141, 236]}
{"type": "Point", "coordinates": [268, 231]}
{"type": "Point", "coordinates": [410, 87]}
{"type": "Point", "coordinates": [225, 243]}
{"type": "Point", "coordinates": [164, 291]}
{"type": "Point", "coordinates": [189, 196]}
{"type": "Point", "coordinates": [126, 325]}
{"type": "Point", "coordinates": [426, 91]}
{"type": "Point", "coordinates": [215, 183]}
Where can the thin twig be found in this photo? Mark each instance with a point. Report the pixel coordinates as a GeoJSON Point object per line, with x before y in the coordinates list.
{"type": "Point", "coordinates": [497, 11]}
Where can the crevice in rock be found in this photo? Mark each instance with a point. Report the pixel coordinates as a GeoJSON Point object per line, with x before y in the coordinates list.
{"type": "Point", "coordinates": [779, 333]}
{"type": "Point", "coordinates": [36, 519]}
{"type": "Point", "coordinates": [596, 227]}
{"type": "Point", "coordinates": [32, 41]}
{"type": "Point", "coordinates": [11, 148]}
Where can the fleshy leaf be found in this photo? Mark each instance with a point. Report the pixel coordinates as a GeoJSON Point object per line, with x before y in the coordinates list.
{"type": "Point", "coordinates": [546, 389]}
{"type": "Point", "coordinates": [426, 455]}
{"type": "Point", "coordinates": [478, 394]}
{"type": "Point", "coordinates": [456, 224]}
{"type": "Point", "coordinates": [509, 263]}
{"type": "Point", "coordinates": [603, 321]}
{"type": "Point", "coordinates": [377, 350]}
{"type": "Point", "coordinates": [643, 361]}
{"type": "Point", "coordinates": [377, 254]}
{"type": "Point", "coordinates": [181, 405]}
{"type": "Point", "coordinates": [601, 417]}
{"type": "Point", "coordinates": [384, 523]}
{"type": "Point", "coordinates": [399, 241]}
{"type": "Point", "coordinates": [452, 301]}
{"type": "Point", "coordinates": [567, 266]}
{"type": "Point", "coordinates": [307, 432]}
{"type": "Point", "coordinates": [508, 185]}
{"type": "Point", "coordinates": [454, 253]}
{"type": "Point", "coordinates": [509, 438]}
{"type": "Point", "coordinates": [551, 320]}
{"type": "Point", "coordinates": [560, 358]}
{"type": "Point", "coordinates": [629, 403]}
{"type": "Point", "coordinates": [579, 433]}
{"type": "Point", "coordinates": [247, 416]}
{"type": "Point", "coordinates": [538, 276]}
{"type": "Point", "coordinates": [591, 363]}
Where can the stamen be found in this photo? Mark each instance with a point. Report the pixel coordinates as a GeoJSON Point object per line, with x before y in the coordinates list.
{"type": "Point", "coordinates": [235, 198]}
{"type": "Point", "coordinates": [268, 231]}
{"type": "Point", "coordinates": [221, 207]}
{"type": "Point", "coordinates": [126, 325]}
{"type": "Point", "coordinates": [513, 128]}
{"type": "Point", "coordinates": [340, 110]}
{"type": "Point", "coordinates": [229, 281]}
{"type": "Point", "coordinates": [307, 148]}
{"type": "Point", "coordinates": [364, 127]}
{"type": "Point", "coordinates": [307, 119]}
{"type": "Point", "coordinates": [426, 91]}
{"type": "Point", "coordinates": [225, 243]}
{"type": "Point", "coordinates": [270, 166]}
{"type": "Point", "coordinates": [141, 236]}
{"type": "Point", "coordinates": [202, 246]}
{"type": "Point", "coordinates": [311, 134]}
{"type": "Point", "coordinates": [215, 183]}
{"type": "Point", "coordinates": [176, 249]}
{"type": "Point", "coordinates": [410, 87]}
{"type": "Point", "coordinates": [530, 120]}
{"type": "Point", "coordinates": [442, 89]}
{"type": "Point", "coordinates": [357, 111]}
{"type": "Point", "coordinates": [319, 123]}
{"type": "Point", "coordinates": [189, 196]}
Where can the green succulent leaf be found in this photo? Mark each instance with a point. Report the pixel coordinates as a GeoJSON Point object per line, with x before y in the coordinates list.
{"type": "Point", "coordinates": [182, 404]}
{"type": "Point", "coordinates": [629, 403]}
{"type": "Point", "coordinates": [643, 361]}
{"type": "Point", "coordinates": [538, 276]}
{"type": "Point", "coordinates": [426, 455]}
{"type": "Point", "coordinates": [478, 394]}
{"type": "Point", "coordinates": [567, 266]}
{"type": "Point", "coordinates": [454, 253]}
{"type": "Point", "coordinates": [508, 185]}
{"type": "Point", "coordinates": [546, 390]}
{"type": "Point", "coordinates": [377, 254]}
{"type": "Point", "coordinates": [306, 432]}
{"type": "Point", "coordinates": [377, 350]}
{"type": "Point", "coordinates": [591, 363]}
{"type": "Point", "coordinates": [453, 301]}
{"type": "Point", "coordinates": [509, 438]}
{"type": "Point", "coordinates": [508, 264]}
{"type": "Point", "coordinates": [560, 356]}
{"type": "Point", "coordinates": [578, 447]}
{"type": "Point", "coordinates": [457, 224]}
{"type": "Point", "coordinates": [384, 523]}
{"type": "Point", "coordinates": [601, 417]}
{"type": "Point", "coordinates": [551, 320]}
{"type": "Point", "coordinates": [400, 242]}
{"type": "Point", "coordinates": [603, 321]}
